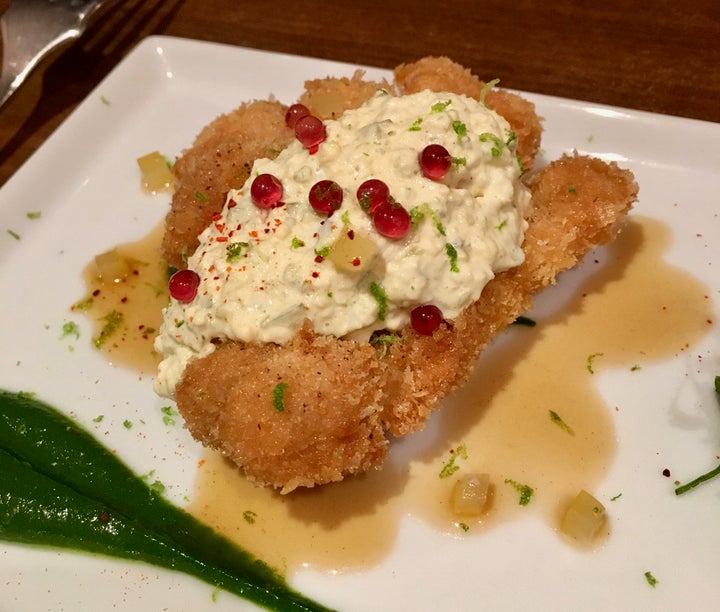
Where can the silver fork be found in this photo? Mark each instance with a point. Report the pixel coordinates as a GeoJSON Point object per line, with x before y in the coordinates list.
{"type": "Point", "coordinates": [31, 29]}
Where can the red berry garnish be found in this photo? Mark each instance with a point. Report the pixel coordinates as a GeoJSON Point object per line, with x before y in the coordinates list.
{"type": "Point", "coordinates": [435, 162]}
{"type": "Point", "coordinates": [266, 191]}
{"type": "Point", "coordinates": [391, 220]}
{"type": "Point", "coordinates": [326, 197]}
{"type": "Point", "coordinates": [183, 285]}
{"type": "Point", "coordinates": [295, 112]}
{"type": "Point", "coordinates": [371, 194]}
{"type": "Point", "coordinates": [426, 319]}
{"type": "Point", "coordinates": [310, 131]}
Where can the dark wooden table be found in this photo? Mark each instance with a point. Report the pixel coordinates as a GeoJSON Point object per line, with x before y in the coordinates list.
{"type": "Point", "coordinates": [661, 56]}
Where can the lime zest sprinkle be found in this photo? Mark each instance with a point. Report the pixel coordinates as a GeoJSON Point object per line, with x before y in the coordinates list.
{"type": "Point", "coordinates": [591, 361]}
{"type": "Point", "coordinates": [70, 328]}
{"type": "Point", "coordinates": [235, 250]}
{"type": "Point", "coordinates": [378, 292]}
{"type": "Point", "coordinates": [558, 420]}
{"type": "Point", "coordinates": [416, 125]}
{"type": "Point", "coordinates": [460, 129]}
{"type": "Point", "coordinates": [450, 466]}
{"type": "Point", "coordinates": [112, 320]}
{"type": "Point", "coordinates": [169, 414]}
{"type": "Point", "coordinates": [453, 256]}
{"type": "Point", "coordinates": [487, 87]}
{"type": "Point", "coordinates": [651, 580]}
{"type": "Point", "coordinates": [497, 144]}
{"type": "Point", "coordinates": [381, 342]}
{"type": "Point", "coordinates": [526, 491]}
{"type": "Point", "coordinates": [439, 107]}
{"type": "Point", "coordinates": [278, 400]}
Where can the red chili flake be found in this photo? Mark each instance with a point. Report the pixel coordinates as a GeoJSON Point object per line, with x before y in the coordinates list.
{"type": "Point", "coordinates": [315, 274]}
{"type": "Point", "coordinates": [220, 227]}
{"type": "Point", "coordinates": [356, 262]}
{"type": "Point", "coordinates": [232, 204]}
{"type": "Point", "coordinates": [666, 473]}
{"type": "Point", "coordinates": [216, 216]}
{"type": "Point", "coordinates": [104, 517]}
{"type": "Point", "coordinates": [222, 238]}
{"type": "Point", "coordinates": [351, 234]}
{"type": "Point", "coordinates": [123, 300]}
{"type": "Point", "coordinates": [253, 234]}
{"type": "Point", "coordinates": [211, 268]}
{"type": "Point", "coordinates": [96, 292]}
{"type": "Point", "coordinates": [267, 230]}
{"type": "Point", "coordinates": [319, 259]}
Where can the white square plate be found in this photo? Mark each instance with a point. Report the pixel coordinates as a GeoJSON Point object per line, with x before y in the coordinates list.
{"type": "Point", "coordinates": [84, 182]}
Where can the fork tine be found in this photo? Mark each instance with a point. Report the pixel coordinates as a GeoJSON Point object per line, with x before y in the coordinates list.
{"type": "Point", "coordinates": [32, 29]}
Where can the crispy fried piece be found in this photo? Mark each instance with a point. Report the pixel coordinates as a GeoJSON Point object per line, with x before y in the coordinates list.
{"type": "Point", "coordinates": [325, 424]}
{"type": "Point", "coordinates": [220, 159]}
{"type": "Point", "coordinates": [330, 97]}
{"type": "Point", "coordinates": [342, 401]}
{"type": "Point", "coordinates": [566, 224]}
{"type": "Point", "coordinates": [442, 74]}
{"type": "Point", "coordinates": [341, 397]}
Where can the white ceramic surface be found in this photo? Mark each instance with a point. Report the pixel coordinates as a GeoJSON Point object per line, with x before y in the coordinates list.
{"type": "Point", "coordinates": [84, 181]}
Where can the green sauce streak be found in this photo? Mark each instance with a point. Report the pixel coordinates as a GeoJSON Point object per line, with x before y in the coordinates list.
{"type": "Point", "coordinates": [61, 487]}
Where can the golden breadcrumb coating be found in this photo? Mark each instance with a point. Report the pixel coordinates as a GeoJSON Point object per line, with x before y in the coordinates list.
{"type": "Point", "coordinates": [220, 159]}
{"type": "Point", "coordinates": [329, 98]}
{"type": "Point", "coordinates": [320, 408]}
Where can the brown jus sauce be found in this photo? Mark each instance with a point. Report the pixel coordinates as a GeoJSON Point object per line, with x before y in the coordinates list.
{"type": "Point", "coordinates": [501, 416]}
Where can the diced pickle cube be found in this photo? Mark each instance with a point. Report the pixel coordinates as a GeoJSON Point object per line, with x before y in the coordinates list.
{"type": "Point", "coordinates": [470, 494]}
{"type": "Point", "coordinates": [584, 518]}
{"type": "Point", "coordinates": [156, 176]}
{"type": "Point", "coordinates": [352, 252]}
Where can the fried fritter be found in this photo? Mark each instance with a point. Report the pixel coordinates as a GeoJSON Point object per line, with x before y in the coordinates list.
{"type": "Point", "coordinates": [320, 408]}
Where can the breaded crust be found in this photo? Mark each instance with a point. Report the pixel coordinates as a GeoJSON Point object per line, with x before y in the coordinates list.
{"type": "Point", "coordinates": [320, 408]}
{"type": "Point", "coordinates": [221, 158]}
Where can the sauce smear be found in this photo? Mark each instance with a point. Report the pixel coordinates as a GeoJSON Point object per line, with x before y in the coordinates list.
{"type": "Point", "coordinates": [604, 316]}
{"type": "Point", "coordinates": [502, 416]}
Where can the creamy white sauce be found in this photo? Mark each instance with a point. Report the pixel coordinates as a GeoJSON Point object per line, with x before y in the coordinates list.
{"type": "Point", "coordinates": [278, 281]}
